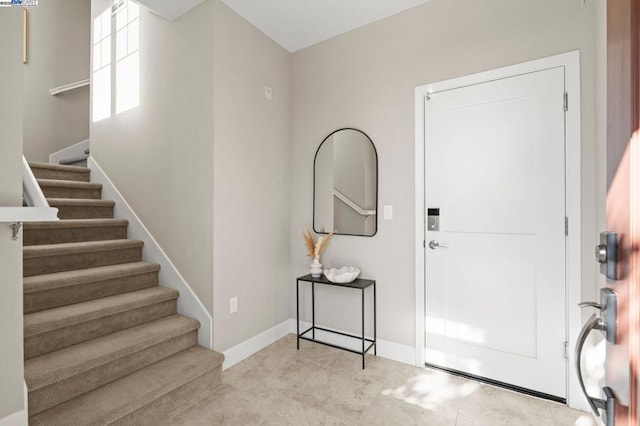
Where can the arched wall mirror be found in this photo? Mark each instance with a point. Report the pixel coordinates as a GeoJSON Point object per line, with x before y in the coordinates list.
{"type": "Point", "coordinates": [345, 184]}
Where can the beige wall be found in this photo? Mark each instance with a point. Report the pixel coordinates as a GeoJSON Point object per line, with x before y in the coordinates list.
{"type": "Point", "coordinates": [11, 364]}
{"type": "Point", "coordinates": [58, 54]}
{"type": "Point", "coordinates": [251, 180]}
{"type": "Point", "coordinates": [160, 154]}
{"type": "Point", "coordinates": [366, 79]}
{"type": "Point", "coordinates": [185, 187]}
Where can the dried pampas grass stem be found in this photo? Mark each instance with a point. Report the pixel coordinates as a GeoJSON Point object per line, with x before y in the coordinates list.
{"type": "Point", "coordinates": [308, 242]}
{"type": "Point", "coordinates": [315, 249]}
{"type": "Point", "coordinates": [326, 242]}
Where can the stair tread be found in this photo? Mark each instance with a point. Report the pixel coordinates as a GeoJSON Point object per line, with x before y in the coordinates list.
{"type": "Point", "coordinates": [124, 396]}
{"type": "Point", "coordinates": [59, 365]}
{"type": "Point", "coordinates": [65, 316]}
{"type": "Point", "coordinates": [82, 247]}
{"type": "Point", "coordinates": [76, 223]}
{"type": "Point", "coordinates": [68, 184]}
{"type": "Point", "coordinates": [55, 280]}
{"type": "Point", "coordinates": [55, 202]}
{"type": "Point", "coordinates": [40, 165]}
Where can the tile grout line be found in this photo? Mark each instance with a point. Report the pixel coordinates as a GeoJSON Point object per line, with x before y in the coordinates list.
{"type": "Point", "coordinates": [382, 385]}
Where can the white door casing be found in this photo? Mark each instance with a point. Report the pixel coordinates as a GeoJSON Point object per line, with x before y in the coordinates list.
{"type": "Point", "coordinates": [494, 235]}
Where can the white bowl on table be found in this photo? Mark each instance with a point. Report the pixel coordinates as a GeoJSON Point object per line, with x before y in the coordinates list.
{"type": "Point", "coordinates": [343, 275]}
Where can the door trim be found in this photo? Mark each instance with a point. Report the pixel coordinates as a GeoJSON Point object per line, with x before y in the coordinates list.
{"type": "Point", "coordinates": [571, 63]}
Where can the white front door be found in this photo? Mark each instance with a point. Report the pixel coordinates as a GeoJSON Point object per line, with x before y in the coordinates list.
{"type": "Point", "coordinates": [495, 288]}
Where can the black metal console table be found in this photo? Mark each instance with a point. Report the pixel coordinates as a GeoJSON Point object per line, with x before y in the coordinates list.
{"type": "Point", "coordinates": [359, 284]}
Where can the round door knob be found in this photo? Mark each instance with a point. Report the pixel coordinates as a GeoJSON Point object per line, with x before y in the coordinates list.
{"type": "Point", "coordinates": [601, 253]}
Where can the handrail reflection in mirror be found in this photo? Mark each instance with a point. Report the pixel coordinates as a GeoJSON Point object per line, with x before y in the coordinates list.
{"type": "Point", "coordinates": [353, 205]}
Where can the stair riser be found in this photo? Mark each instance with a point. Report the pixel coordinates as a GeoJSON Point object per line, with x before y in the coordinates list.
{"type": "Point", "coordinates": [191, 399]}
{"type": "Point", "coordinates": [39, 301]}
{"type": "Point", "coordinates": [34, 237]}
{"type": "Point", "coordinates": [69, 262]}
{"type": "Point", "coordinates": [84, 212]}
{"type": "Point", "coordinates": [60, 175]}
{"type": "Point", "coordinates": [65, 192]}
{"type": "Point", "coordinates": [61, 338]}
{"type": "Point", "coordinates": [57, 393]}
{"type": "Point", "coordinates": [153, 413]}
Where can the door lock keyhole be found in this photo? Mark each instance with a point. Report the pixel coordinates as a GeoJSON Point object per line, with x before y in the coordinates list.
{"type": "Point", "coordinates": [601, 253]}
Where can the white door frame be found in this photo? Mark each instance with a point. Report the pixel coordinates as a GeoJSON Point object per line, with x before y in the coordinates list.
{"type": "Point", "coordinates": [571, 62]}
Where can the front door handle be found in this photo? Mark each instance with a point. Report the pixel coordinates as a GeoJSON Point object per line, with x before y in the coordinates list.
{"type": "Point", "coordinates": [591, 304]}
{"type": "Point", "coordinates": [433, 245]}
{"type": "Point", "coordinates": [609, 307]}
{"type": "Point", "coordinates": [608, 404]}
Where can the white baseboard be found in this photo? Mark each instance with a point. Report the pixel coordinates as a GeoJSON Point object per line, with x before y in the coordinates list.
{"type": "Point", "coordinates": [16, 419]}
{"type": "Point", "coordinates": [395, 351]}
{"type": "Point", "coordinates": [19, 418]}
{"type": "Point", "coordinates": [385, 349]}
{"type": "Point", "coordinates": [254, 344]}
{"type": "Point", "coordinates": [241, 351]}
{"type": "Point", "coordinates": [188, 303]}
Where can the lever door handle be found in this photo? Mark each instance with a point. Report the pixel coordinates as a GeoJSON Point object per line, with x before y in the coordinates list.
{"type": "Point", "coordinates": [609, 307]}
{"type": "Point", "coordinates": [591, 304]}
{"type": "Point", "coordinates": [433, 245]}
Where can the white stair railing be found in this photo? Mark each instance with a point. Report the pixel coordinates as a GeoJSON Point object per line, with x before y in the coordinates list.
{"type": "Point", "coordinates": [37, 209]}
{"type": "Point", "coordinates": [353, 205]}
{"type": "Point", "coordinates": [69, 86]}
{"type": "Point", "coordinates": [33, 194]}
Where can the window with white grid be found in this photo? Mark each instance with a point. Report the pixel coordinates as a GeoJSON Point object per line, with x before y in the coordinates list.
{"type": "Point", "coordinates": [101, 82]}
{"type": "Point", "coordinates": [127, 57]}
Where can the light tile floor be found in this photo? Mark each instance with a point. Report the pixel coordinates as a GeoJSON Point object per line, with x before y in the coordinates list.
{"type": "Point", "coordinates": [319, 385]}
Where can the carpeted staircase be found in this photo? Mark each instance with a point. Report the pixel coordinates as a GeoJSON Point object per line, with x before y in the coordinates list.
{"type": "Point", "coordinates": [103, 342]}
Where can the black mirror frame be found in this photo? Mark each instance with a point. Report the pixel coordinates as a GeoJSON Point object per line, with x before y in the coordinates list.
{"type": "Point", "coordinates": [375, 152]}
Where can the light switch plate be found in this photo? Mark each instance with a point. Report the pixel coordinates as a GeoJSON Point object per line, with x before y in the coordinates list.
{"type": "Point", "coordinates": [388, 212]}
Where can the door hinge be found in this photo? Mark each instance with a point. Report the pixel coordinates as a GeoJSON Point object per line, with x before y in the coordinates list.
{"type": "Point", "coordinates": [424, 244]}
{"type": "Point", "coordinates": [565, 101]}
{"type": "Point", "coordinates": [566, 225]}
{"type": "Point", "coordinates": [566, 350]}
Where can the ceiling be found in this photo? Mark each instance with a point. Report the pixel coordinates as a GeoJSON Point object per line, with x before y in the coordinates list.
{"type": "Point", "coordinates": [296, 24]}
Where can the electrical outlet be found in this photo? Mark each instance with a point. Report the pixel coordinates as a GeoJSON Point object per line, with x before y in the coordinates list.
{"type": "Point", "coordinates": [233, 305]}
{"type": "Point", "coordinates": [268, 93]}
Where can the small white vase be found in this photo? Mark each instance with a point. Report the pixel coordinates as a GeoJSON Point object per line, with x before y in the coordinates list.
{"type": "Point", "coordinates": [316, 268]}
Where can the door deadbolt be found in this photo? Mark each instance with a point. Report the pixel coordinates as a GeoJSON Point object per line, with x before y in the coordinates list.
{"type": "Point", "coordinates": [607, 255]}
{"type": "Point", "coordinates": [601, 253]}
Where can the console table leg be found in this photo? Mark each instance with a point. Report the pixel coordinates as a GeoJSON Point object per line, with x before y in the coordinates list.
{"type": "Point", "coordinates": [313, 309]}
{"type": "Point", "coordinates": [297, 315]}
{"type": "Point", "coordinates": [363, 329]}
{"type": "Point", "coordinates": [375, 339]}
